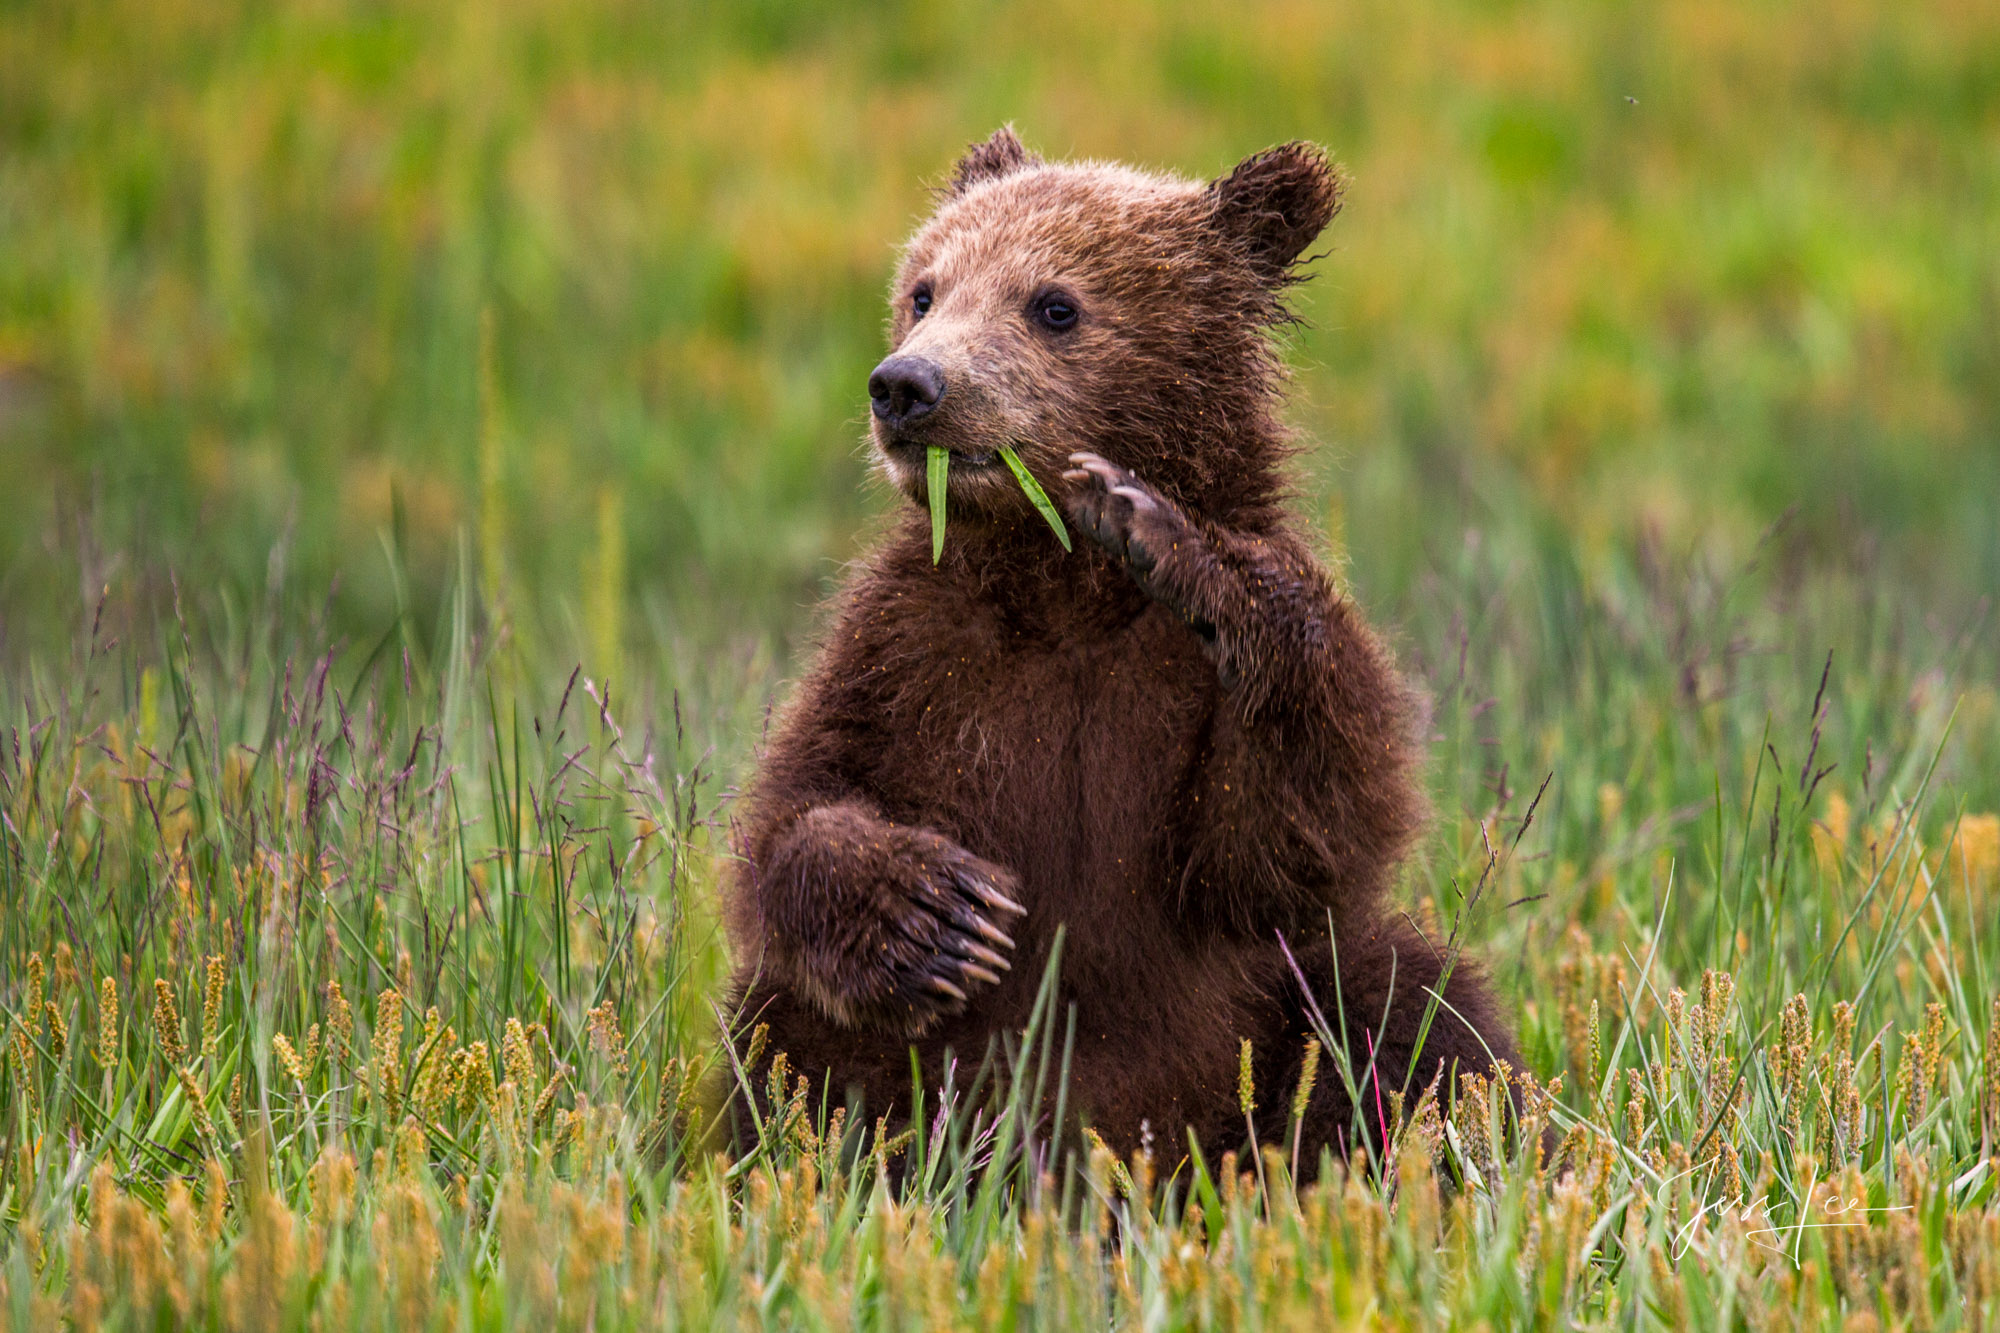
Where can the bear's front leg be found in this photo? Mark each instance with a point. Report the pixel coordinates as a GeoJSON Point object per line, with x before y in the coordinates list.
{"type": "Point", "coordinates": [1257, 609]}
{"type": "Point", "coordinates": [1304, 797]}
{"type": "Point", "coordinates": [879, 924]}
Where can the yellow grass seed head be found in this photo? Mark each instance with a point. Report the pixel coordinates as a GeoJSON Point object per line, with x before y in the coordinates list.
{"type": "Point", "coordinates": [433, 1083]}
{"type": "Point", "coordinates": [58, 1030]}
{"type": "Point", "coordinates": [517, 1060]}
{"type": "Point", "coordinates": [605, 1036]}
{"type": "Point", "coordinates": [1308, 1075]}
{"type": "Point", "coordinates": [107, 1022]}
{"type": "Point", "coordinates": [1246, 1080]}
{"type": "Point", "coordinates": [33, 1007]}
{"type": "Point", "coordinates": [545, 1104]}
{"type": "Point", "coordinates": [211, 1006]}
{"type": "Point", "coordinates": [476, 1090]}
{"type": "Point", "coordinates": [331, 1183]}
{"type": "Point", "coordinates": [1933, 1047]}
{"type": "Point", "coordinates": [412, 1148]}
{"type": "Point", "coordinates": [167, 1021]}
{"type": "Point", "coordinates": [339, 1024]}
{"type": "Point", "coordinates": [288, 1059]}
{"type": "Point", "coordinates": [385, 1053]}
{"type": "Point", "coordinates": [197, 1105]}
{"type": "Point", "coordinates": [1910, 1087]}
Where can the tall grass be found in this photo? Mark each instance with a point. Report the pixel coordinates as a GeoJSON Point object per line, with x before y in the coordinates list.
{"type": "Point", "coordinates": [354, 987]}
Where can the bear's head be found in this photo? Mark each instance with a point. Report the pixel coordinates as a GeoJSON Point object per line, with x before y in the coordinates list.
{"type": "Point", "coordinates": [1056, 307]}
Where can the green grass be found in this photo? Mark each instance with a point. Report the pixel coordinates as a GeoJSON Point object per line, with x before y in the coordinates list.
{"type": "Point", "coordinates": [365, 369]}
{"type": "Point", "coordinates": [416, 976]}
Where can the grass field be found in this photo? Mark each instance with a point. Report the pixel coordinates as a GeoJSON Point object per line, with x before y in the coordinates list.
{"type": "Point", "coordinates": [425, 431]}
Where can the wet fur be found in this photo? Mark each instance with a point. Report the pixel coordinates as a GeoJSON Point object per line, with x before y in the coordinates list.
{"type": "Point", "coordinates": [1178, 741]}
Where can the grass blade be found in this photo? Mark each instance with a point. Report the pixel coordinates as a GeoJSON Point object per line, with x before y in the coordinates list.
{"type": "Point", "coordinates": [1033, 490]}
{"type": "Point", "coordinates": [940, 469]}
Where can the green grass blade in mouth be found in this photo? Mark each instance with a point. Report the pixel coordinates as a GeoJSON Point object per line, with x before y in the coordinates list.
{"type": "Point", "coordinates": [939, 467]}
{"type": "Point", "coordinates": [1035, 493]}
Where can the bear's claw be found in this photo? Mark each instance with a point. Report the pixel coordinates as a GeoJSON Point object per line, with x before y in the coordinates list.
{"type": "Point", "coordinates": [1136, 525]}
{"type": "Point", "coordinates": [940, 944]}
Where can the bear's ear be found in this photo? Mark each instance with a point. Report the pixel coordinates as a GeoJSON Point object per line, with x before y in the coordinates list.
{"type": "Point", "coordinates": [1001, 155]}
{"type": "Point", "coordinates": [1274, 203]}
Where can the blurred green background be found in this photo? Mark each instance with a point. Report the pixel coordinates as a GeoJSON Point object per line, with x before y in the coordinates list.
{"type": "Point", "coordinates": [576, 300]}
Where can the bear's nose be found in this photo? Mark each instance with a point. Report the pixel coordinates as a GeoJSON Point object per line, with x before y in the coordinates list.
{"type": "Point", "coordinates": [903, 388]}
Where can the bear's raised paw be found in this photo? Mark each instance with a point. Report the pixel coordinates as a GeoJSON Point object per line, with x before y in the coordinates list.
{"type": "Point", "coordinates": [1140, 527]}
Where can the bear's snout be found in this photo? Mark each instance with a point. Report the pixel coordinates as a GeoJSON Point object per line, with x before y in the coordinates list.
{"type": "Point", "coordinates": [904, 388]}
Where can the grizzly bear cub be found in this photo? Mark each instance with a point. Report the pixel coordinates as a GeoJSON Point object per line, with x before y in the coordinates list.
{"type": "Point", "coordinates": [1177, 742]}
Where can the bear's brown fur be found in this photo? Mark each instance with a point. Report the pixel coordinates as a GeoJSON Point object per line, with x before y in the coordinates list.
{"type": "Point", "coordinates": [1179, 741]}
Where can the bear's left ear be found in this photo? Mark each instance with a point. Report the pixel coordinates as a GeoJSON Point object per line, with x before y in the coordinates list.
{"type": "Point", "coordinates": [1274, 203]}
{"type": "Point", "coordinates": [1001, 155]}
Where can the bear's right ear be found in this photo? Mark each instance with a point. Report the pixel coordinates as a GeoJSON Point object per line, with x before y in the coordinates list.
{"type": "Point", "coordinates": [1001, 155]}
{"type": "Point", "coordinates": [1272, 205]}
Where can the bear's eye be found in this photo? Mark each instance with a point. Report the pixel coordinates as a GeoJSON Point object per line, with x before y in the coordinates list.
{"type": "Point", "coordinates": [920, 301]}
{"type": "Point", "coordinates": [1054, 310]}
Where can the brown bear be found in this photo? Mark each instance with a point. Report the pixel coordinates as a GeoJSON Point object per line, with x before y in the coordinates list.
{"type": "Point", "coordinates": [1177, 741]}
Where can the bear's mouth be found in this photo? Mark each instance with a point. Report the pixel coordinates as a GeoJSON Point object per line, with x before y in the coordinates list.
{"type": "Point", "coordinates": [911, 450]}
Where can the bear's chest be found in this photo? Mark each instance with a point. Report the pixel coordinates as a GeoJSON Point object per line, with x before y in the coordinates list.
{"type": "Point", "coordinates": [1063, 759]}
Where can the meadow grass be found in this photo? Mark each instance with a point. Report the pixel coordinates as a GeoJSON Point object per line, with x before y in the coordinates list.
{"type": "Point", "coordinates": [366, 368]}
{"type": "Point", "coordinates": [354, 989]}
